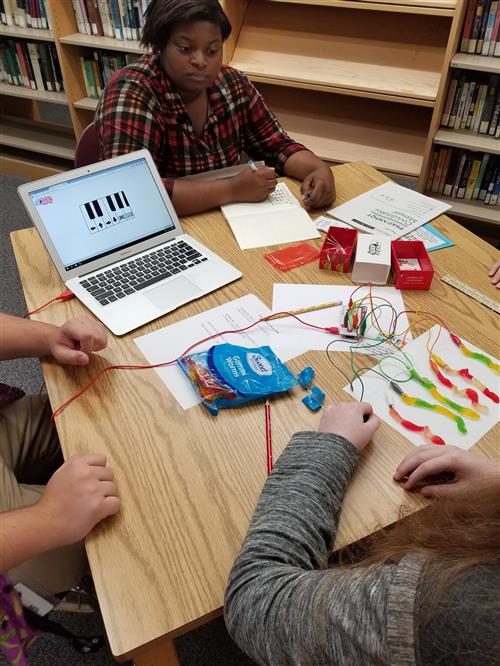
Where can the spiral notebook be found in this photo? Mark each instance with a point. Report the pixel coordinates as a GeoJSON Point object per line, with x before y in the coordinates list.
{"type": "Point", "coordinates": [278, 219]}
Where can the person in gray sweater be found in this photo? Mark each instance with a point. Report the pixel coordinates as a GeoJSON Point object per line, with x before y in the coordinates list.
{"type": "Point", "coordinates": [428, 597]}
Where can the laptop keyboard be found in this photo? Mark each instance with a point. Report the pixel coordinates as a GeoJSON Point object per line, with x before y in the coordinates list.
{"type": "Point", "coordinates": [110, 285]}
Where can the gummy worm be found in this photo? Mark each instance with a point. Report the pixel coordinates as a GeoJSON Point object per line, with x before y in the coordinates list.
{"type": "Point", "coordinates": [479, 357]}
{"type": "Point", "coordinates": [417, 402]}
{"type": "Point", "coordinates": [409, 425]}
{"type": "Point", "coordinates": [463, 393]}
{"type": "Point", "coordinates": [426, 383]}
{"type": "Point", "coordinates": [464, 372]}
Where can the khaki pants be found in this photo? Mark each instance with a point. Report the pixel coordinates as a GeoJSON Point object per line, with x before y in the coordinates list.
{"type": "Point", "coordinates": [29, 455]}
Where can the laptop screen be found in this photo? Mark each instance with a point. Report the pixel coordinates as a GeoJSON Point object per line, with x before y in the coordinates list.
{"type": "Point", "coordinates": [100, 213]}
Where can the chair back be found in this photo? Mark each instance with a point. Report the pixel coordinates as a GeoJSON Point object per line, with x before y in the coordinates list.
{"type": "Point", "coordinates": [87, 147]}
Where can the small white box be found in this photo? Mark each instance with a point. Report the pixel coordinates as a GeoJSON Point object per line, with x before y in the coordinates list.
{"type": "Point", "coordinates": [373, 259]}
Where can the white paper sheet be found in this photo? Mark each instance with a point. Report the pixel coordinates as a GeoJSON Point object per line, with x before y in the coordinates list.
{"type": "Point", "coordinates": [376, 387]}
{"type": "Point", "coordinates": [172, 341]}
{"type": "Point", "coordinates": [276, 220]}
{"type": "Point", "coordinates": [390, 209]}
{"type": "Point", "coordinates": [298, 338]}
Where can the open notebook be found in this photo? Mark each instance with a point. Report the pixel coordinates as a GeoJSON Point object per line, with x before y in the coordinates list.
{"type": "Point", "coordinates": [278, 219]}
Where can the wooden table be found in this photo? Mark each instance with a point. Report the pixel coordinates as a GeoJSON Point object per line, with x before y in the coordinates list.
{"type": "Point", "coordinates": [189, 481]}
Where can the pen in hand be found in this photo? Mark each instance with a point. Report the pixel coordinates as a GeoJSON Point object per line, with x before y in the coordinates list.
{"type": "Point", "coordinates": [252, 166]}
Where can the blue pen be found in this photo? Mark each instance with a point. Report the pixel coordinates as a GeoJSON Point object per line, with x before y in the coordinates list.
{"type": "Point", "coordinates": [251, 164]}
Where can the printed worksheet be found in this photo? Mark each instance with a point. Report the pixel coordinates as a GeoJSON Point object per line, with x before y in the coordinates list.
{"type": "Point", "coordinates": [389, 209]}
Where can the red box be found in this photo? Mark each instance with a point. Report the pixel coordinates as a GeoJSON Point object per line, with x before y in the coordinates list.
{"type": "Point", "coordinates": [338, 247]}
{"type": "Point", "coordinates": [411, 251]}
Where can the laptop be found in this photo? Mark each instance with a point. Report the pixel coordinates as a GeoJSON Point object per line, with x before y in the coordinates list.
{"type": "Point", "coordinates": [117, 242]}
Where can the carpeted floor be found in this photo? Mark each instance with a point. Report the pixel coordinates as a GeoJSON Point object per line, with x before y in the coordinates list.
{"type": "Point", "coordinates": [209, 645]}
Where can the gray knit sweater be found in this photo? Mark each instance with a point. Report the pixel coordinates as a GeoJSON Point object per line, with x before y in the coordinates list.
{"type": "Point", "coordinates": [284, 606]}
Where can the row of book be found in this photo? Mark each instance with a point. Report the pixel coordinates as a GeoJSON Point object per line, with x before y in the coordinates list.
{"type": "Point", "coordinates": [120, 19]}
{"type": "Point", "coordinates": [481, 31]}
{"type": "Point", "coordinates": [99, 67]}
{"type": "Point", "coordinates": [25, 14]}
{"type": "Point", "coordinates": [462, 174]}
{"type": "Point", "coordinates": [33, 65]}
{"type": "Point", "coordinates": [473, 103]}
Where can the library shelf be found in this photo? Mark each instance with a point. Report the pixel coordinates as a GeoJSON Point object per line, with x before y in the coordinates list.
{"type": "Point", "coordinates": [104, 43]}
{"type": "Point", "coordinates": [391, 137]}
{"type": "Point", "coordinates": [333, 47]}
{"type": "Point", "coordinates": [37, 95]}
{"type": "Point", "coordinates": [432, 7]}
{"type": "Point", "coordinates": [471, 209]}
{"type": "Point", "coordinates": [478, 63]}
{"type": "Point", "coordinates": [86, 104]}
{"type": "Point", "coordinates": [26, 33]}
{"type": "Point", "coordinates": [43, 138]}
{"type": "Point", "coordinates": [468, 140]}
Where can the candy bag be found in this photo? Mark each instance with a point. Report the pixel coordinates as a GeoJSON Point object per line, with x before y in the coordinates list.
{"type": "Point", "coordinates": [228, 375]}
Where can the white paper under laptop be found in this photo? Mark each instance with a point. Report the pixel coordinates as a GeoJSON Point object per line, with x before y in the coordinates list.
{"type": "Point", "coordinates": [278, 219]}
{"type": "Point", "coordinates": [117, 243]}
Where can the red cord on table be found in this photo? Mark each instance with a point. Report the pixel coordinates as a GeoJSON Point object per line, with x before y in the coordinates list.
{"type": "Point", "coordinates": [63, 296]}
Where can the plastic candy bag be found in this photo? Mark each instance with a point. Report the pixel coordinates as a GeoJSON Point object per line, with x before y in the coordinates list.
{"type": "Point", "coordinates": [228, 375]}
{"type": "Point", "coordinates": [293, 256]}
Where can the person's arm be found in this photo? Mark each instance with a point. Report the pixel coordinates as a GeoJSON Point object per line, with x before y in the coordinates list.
{"type": "Point", "coordinates": [419, 469]}
{"type": "Point", "coordinates": [266, 139]}
{"type": "Point", "coordinates": [71, 343]}
{"type": "Point", "coordinates": [494, 274]}
{"type": "Point", "coordinates": [282, 604]}
{"type": "Point", "coordinates": [78, 496]}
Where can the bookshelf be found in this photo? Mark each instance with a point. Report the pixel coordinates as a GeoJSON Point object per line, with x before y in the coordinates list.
{"type": "Point", "coordinates": [352, 79]}
{"type": "Point", "coordinates": [462, 138]}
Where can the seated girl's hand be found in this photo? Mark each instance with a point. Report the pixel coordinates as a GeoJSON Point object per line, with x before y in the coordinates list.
{"type": "Point", "coordinates": [428, 460]}
{"type": "Point", "coordinates": [495, 274]}
{"type": "Point", "coordinates": [253, 186]}
{"type": "Point", "coordinates": [353, 420]}
{"type": "Point", "coordinates": [318, 188]}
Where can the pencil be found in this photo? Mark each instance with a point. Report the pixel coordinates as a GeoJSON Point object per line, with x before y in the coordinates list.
{"type": "Point", "coordinates": [269, 445]}
{"type": "Point", "coordinates": [311, 308]}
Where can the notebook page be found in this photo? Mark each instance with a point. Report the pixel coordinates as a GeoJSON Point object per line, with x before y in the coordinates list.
{"type": "Point", "coordinates": [280, 199]}
{"type": "Point", "coordinates": [273, 227]}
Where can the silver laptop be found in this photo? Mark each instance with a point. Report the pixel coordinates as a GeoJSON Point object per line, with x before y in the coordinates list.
{"type": "Point", "coordinates": [117, 243]}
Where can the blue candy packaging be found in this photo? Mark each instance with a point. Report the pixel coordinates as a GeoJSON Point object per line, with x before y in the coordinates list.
{"type": "Point", "coordinates": [228, 375]}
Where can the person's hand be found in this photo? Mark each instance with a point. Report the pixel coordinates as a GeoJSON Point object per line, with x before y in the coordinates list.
{"type": "Point", "coordinates": [318, 188]}
{"type": "Point", "coordinates": [78, 496]}
{"type": "Point", "coordinates": [75, 340]}
{"type": "Point", "coordinates": [420, 466]}
{"type": "Point", "coordinates": [253, 186]}
{"type": "Point", "coordinates": [353, 420]}
{"type": "Point", "coordinates": [494, 274]}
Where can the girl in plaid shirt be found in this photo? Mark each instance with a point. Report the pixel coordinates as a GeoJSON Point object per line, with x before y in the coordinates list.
{"type": "Point", "coordinates": [194, 114]}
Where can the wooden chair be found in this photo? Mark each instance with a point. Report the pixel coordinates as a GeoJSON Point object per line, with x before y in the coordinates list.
{"type": "Point", "coordinates": [87, 147]}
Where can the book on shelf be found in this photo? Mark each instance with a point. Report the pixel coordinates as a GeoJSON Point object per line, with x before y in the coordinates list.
{"type": "Point", "coordinates": [472, 102]}
{"type": "Point", "coordinates": [118, 19]}
{"type": "Point", "coordinates": [481, 28]}
{"type": "Point", "coordinates": [25, 14]}
{"type": "Point", "coordinates": [461, 174]}
{"type": "Point", "coordinates": [99, 67]}
{"type": "Point", "coordinates": [33, 65]}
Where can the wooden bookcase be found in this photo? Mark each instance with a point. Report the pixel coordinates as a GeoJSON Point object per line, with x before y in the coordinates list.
{"type": "Point", "coordinates": [352, 79]}
{"type": "Point", "coordinates": [461, 138]}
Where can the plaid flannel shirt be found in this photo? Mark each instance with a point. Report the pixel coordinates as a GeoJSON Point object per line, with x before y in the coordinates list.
{"type": "Point", "coordinates": [140, 108]}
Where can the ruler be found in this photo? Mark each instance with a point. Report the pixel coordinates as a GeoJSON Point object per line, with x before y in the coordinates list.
{"type": "Point", "coordinates": [473, 293]}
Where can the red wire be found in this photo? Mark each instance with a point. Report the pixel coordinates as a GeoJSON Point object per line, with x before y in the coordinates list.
{"type": "Point", "coordinates": [63, 296]}
{"type": "Point", "coordinates": [270, 317]}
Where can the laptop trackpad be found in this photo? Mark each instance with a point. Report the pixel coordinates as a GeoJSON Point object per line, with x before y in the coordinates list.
{"type": "Point", "coordinates": [172, 294]}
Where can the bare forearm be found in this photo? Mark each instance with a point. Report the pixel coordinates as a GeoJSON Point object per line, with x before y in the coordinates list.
{"type": "Point", "coordinates": [22, 337]}
{"type": "Point", "coordinates": [190, 197]}
{"type": "Point", "coordinates": [301, 164]}
{"type": "Point", "coordinates": [24, 534]}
